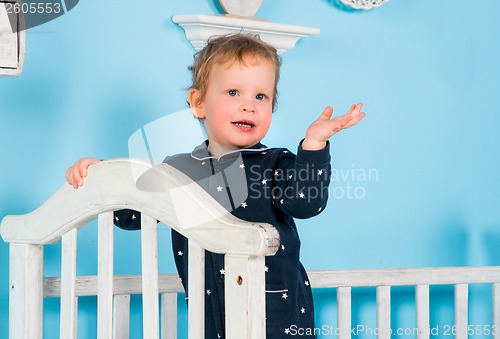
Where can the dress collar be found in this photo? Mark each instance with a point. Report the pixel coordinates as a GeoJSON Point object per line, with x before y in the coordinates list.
{"type": "Point", "coordinates": [201, 151]}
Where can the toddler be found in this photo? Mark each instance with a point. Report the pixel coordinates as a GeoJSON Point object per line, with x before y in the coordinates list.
{"type": "Point", "coordinates": [234, 93]}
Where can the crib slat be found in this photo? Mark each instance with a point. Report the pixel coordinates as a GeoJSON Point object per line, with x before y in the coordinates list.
{"type": "Point", "coordinates": [422, 305]}
{"type": "Point", "coordinates": [26, 301]}
{"type": "Point", "coordinates": [69, 300]}
{"type": "Point", "coordinates": [196, 290]}
{"type": "Point", "coordinates": [245, 292]}
{"type": "Point", "coordinates": [149, 238]}
{"type": "Point", "coordinates": [496, 310]}
{"type": "Point", "coordinates": [105, 276]}
{"type": "Point", "coordinates": [384, 312]}
{"type": "Point", "coordinates": [344, 312]}
{"type": "Point", "coordinates": [169, 315]}
{"type": "Point", "coordinates": [121, 316]}
{"type": "Point", "coordinates": [461, 310]}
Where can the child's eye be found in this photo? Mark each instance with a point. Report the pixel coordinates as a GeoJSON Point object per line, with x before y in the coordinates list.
{"type": "Point", "coordinates": [260, 96]}
{"type": "Point", "coordinates": [232, 92]}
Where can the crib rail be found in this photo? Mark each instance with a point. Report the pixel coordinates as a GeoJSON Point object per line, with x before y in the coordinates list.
{"type": "Point", "coordinates": [422, 279]}
{"type": "Point", "coordinates": [112, 185]}
{"type": "Point", "coordinates": [341, 280]}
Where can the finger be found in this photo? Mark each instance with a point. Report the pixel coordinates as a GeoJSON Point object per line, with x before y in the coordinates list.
{"type": "Point", "coordinates": [339, 123]}
{"type": "Point", "coordinates": [83, 169]}
{"type": "Point", "coordinates": [84, 165]}
{"type": "Point", "coordinates": [345, 122]}
{"type": "Point", "coordinates": [68, 179]}
{"type": "Point", "coordinates": [326, 114]}
{"type": "Point", "coordinates": [77, 178]}
{"type": "Point", "coordinates": [69, 176]}
{"type": "Point", "coordinates": [355, 109]}
{"type": "Point", "coordinates": [355, 120]}
{"type": "Point", "coordinates": [72, 178]}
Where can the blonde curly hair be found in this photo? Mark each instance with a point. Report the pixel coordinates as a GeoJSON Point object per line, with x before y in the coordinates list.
{"type": "Point", "coordinates": [230, 48]}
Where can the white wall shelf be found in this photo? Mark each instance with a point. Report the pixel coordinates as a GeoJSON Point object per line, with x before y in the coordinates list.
{"type": "Point", "coordinates": [200, 27]}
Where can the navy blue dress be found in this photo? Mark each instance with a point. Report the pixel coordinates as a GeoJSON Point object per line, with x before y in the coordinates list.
{"type": "Point", "coordinates": [258, 184]}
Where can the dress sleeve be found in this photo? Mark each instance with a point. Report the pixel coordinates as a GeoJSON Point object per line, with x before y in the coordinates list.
{"type": "Point", "coordinates": [129, 220]}
{"type": "Point", "coordinates": [300, 185]}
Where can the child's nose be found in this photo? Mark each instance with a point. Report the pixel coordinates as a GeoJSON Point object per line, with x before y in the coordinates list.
{"type": "Point", "coordinates": [248, 105]}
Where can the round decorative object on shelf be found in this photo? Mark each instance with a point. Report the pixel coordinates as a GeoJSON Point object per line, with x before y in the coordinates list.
{"type": "Point", "coordinates": [241, 7]}
{"type": "Point", "coordinates": [363, 4]}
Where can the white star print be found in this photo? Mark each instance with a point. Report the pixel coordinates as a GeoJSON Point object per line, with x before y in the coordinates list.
{"type": "Point", "coordinates": [242, 166]}
{"type": "Point", "coordinates": [290, 176]}
{"type": "Point", "coordinates": [302, 310]}
{"type": "Point", "coordinates": [266, 268]}
{"type": "Point", "coordinates": [244, 204]}
{"type": "Point", "coordinates": [319, 210]}
{"type": "Point", "coordinates": [306, 283]}
{"type": "Point", "coordinates": [264, 181]}
{"type": "Point", "coordinates": [302, 195]}
{"type": "Point", "coordinates": [284, 296]}
{"type": "Point", "coordinates": [180, 253]}
{"type": "Point", "coordinates": [320, 172]}
{"type": "Point", "coordinates": [222, 271]}
{"type": "Point", "coordinates": [282, 247]}
{"type": "Point", "coordinates": [285, 151]}
{"type": "Point", "coordinates": [281, 201]}
{"type": "Point", "coordinates": [219, 189]}
{"type": "Point", "coordinates": [209, 292]}
{"type": "Point", "coordinates": [287, 331]}
{"type": "Point", "coordinates": [264, 152]}
{"type": "Point", "coordinates": [116, 218]}
{"type": "Point", "coordinates": [276, 173]}
{"type": "Point", "coordinates": [133, 216]}
{"type": "Point", "coordinates": [203, 163]}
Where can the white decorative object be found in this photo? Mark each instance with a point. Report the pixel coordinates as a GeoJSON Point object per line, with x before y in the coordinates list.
{"type": "Point", "coordinates": [363, 4]}
{"type": "Point", "coordinates": [12, 44]}
{"type": "Point", "coordinates": [199, 28]}
{"type": "Point", "coordinates": [241, 7]}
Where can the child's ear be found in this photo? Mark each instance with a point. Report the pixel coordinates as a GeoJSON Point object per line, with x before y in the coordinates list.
{"type": "Point", "coordinates": [195, 103]}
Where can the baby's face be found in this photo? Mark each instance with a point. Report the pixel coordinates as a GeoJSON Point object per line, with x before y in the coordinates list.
{"type": "Point", "coordinates": [237, 107]}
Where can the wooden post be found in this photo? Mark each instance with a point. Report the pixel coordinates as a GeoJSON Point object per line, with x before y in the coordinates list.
{"type": "Point", "coordinates": [105, 276]}
{"type": "Point", "coordinates": [245, 296]}
{"type": "Point", "coordinates": [461, 310]}
{"type": "Point", "coordinates": [422, 305]}
{"type": "Point", "coordinates": [496, 310]}
{"type": "Point", "coordinates": [150, 303]}
{"type": "Point", "coordinates": [344, 312]}
{"type": "Point", "coordinates": [26, 291]}
{"type": "Point", "coordinates": [384, 312]}
{"type": "Point", "coordinates": [121, 316]}
{"type": "Point", "coordinates": [169, 315]}
{"type": "Point", "coordinates": [69, 300]}
{"type": "Point", "coordinates": [196, 291]}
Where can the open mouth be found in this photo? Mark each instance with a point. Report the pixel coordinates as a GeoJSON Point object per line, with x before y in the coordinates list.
{"type": "Point", "coordinates": [244, 124]}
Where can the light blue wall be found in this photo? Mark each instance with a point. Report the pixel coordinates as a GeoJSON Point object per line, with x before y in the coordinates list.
{"type": "Point", "coordinates": [416, 181]}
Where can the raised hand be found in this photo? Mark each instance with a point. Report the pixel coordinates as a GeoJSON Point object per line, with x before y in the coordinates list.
{"type": "Point", "coordinates": [325, 126]}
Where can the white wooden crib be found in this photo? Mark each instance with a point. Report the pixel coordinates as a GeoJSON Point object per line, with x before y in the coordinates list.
{"type": "Point", "coordinates": [110, 186]}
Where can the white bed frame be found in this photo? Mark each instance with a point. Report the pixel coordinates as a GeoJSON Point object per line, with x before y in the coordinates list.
{"type": "Point", "coordinates": [110, 186]}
